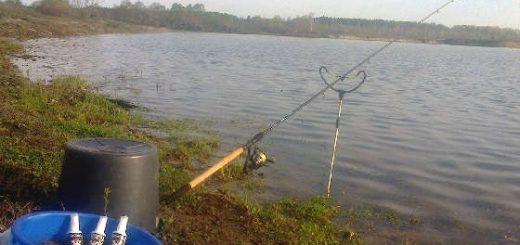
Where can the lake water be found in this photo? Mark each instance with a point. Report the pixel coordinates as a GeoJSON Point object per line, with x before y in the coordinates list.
{"type": "Point", "coordinates": [434, 132]}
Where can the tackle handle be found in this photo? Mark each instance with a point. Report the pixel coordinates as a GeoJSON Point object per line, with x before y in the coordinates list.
{"type": "Point", "coordinates": [208, 173]}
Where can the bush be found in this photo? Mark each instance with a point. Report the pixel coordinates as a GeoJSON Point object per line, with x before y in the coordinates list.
{"type": "Point", "coordinates": [13, 2]}
{"type": "Point", "coordinates": [54, 7]}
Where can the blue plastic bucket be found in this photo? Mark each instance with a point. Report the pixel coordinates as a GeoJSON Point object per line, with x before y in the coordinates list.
{"type": "Point", "coordinates": [35, 228]}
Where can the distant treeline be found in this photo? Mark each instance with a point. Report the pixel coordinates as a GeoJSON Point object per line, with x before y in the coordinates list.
{"type": "Point", "coordinates": [196, 18]}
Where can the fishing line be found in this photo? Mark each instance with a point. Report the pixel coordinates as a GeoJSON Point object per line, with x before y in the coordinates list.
{"type": "Point", "coordinates": [259, 136]}
{"type": "Point", "coordinates": [341, 78]}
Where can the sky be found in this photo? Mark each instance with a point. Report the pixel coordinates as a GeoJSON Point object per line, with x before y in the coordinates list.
{"type": "Point", "coordinates": [503, 13]}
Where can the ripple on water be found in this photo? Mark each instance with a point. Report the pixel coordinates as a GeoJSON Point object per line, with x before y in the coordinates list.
{"type": "Point", "coordinates": [434, 131]}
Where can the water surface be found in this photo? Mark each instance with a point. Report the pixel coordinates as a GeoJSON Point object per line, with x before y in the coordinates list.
{"type": "Point", "coordinates": [434, 133]}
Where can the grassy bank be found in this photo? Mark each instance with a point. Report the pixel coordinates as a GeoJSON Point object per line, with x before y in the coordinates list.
{"type": "Point", "coordinates": [36, 120]}
{"type": "Point", "coordinates": [23, 23]}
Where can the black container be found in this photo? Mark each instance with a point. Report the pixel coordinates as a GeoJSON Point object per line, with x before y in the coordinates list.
{"type": "Point", "coordinates": [128, 170]}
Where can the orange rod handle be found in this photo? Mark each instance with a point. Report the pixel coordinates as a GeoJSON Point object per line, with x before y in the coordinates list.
{"type": "Point", "coordinates": [220, 164]}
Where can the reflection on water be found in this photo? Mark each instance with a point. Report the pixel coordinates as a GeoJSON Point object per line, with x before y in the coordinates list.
{"type": "Point", "coordinates": [435, 131]}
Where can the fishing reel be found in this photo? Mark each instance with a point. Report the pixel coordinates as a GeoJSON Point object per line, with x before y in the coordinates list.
{"type": "Point", "coordinates": [256, 159]}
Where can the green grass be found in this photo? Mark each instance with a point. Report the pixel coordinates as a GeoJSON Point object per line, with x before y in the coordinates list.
{"type": "Point", "coordinates": [8, 74]}
{"type": "Point", "coordinates": [288, 221]}
{"type": "Point", "coordinates": [37, 120]}
{"type": "Point", "coordinates": [233, 172]}
{"type": "Point", "coordinates": [10, 47]}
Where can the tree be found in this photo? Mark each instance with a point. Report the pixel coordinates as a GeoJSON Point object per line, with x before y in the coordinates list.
{"type": "Point", "coordinates": [86, 8]}
{"type": "Point", "coordinates": [139, 5]}
{"type": "Point", "coordinates": [126, 4]}
{"type": "Point", "coordinates": [177, 7]}
{"type": "Point", "coordinates": [85, 3]}
{"type": "Point", "coordinates": [199, 7]}
{"type": "Point", "coordinates": [156, 6]}
{"type": "Point", "coordinates": [14, 2]}
{"type": "Point", "coordinates": [54, 7]}
{"type": "Point", "coordinates": [311, 21]}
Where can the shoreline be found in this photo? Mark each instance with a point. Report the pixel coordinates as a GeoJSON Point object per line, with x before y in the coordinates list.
{"type": "Point", "coordinates": [26, 24]}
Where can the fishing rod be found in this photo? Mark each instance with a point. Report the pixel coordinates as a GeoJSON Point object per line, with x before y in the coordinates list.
{"type": "Point", "coordinates": [259, 136]}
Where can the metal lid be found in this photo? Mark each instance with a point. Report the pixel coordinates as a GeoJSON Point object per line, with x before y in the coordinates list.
{"type": "Point", "coordinates": [110, 146]}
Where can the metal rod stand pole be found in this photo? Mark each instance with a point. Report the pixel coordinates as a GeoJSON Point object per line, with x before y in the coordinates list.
{"type": "Point", "coordinates": [333, 157]}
